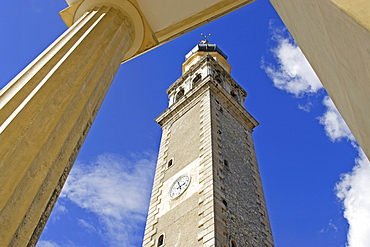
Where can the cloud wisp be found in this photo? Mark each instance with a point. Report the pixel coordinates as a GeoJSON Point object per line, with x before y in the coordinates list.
{"type": "Point", "coordinates": [294, 75]}
{"type": "Point", "coordinates": [335, 127]}
{"type": "Point", "coordinates": [44, 243]}
{"type": "Point", "coordinates": [354, 191]}
{"type": "Point", "coordinates": [293, 72]}
{"type": "Point", "coordinates": [117, 190]}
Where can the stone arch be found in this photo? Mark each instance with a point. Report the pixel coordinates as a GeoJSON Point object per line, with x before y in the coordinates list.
{"type": "Point", "coordinates": [160, 241]}
{"type": "Point", "coordinates": [233, 243]}
{"type": "Point", "coordinates": [196, 79]}
{"type": "Point", "coordinates": [235, 95]}
{"type": "Point", "coordinates": [180, 93]}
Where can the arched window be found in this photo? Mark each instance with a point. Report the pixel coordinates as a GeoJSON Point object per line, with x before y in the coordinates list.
{"type": "Point", "coordinates": [180, 94]}
{"type": "Point", "coordinates": [226, 163]}
{"type": "Point", "coordinates": [233, 243]}
{"type": "Point", "coordinates": [224, 202]}
{"type": "Point", "coordinates": [234, 95]}
{"type": "Point", "coordinates": [197, 78]}
{"type": "Point", "coordinates": [160, 241]}
{"type": "Point", "coordinates": [218, 79]}
{"type": "Point", "coordinates": [170, 163]}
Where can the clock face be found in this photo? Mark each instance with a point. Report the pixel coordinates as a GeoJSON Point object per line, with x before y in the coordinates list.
{"type": "Point", "coordinates": [179, 186]}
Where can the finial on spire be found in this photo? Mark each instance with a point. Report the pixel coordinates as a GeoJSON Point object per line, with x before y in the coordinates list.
{"type": "Point", "coordinates": [205, 40]}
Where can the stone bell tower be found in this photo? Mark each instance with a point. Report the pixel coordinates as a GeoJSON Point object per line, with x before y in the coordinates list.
{"type": "Point", "coordinates": [207, 189]}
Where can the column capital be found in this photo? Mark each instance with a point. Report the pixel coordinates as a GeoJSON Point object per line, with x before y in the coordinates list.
{"type": "Point", "coordinates": [131, 11]}
{"type": "Point", "coordinates": [157, 21]}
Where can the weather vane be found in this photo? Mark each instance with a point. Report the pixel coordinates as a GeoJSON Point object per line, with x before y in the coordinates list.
{"type": "Point", "coordinates": [205, 40]}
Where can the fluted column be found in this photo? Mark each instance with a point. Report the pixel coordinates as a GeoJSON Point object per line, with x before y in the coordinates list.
{"type": "Point", "coordinates": [45, 114]}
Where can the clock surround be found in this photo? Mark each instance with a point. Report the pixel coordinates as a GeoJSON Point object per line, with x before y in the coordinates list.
{"type": "Point", "coordinates": [179, 186]}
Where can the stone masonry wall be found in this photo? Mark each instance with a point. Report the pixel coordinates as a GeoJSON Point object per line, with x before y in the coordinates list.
{"type": "Point", "coordinates": [241, 214]}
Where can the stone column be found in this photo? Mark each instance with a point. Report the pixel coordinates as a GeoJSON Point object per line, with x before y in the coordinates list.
{"type": "Point", "coordinates": [46, 113]}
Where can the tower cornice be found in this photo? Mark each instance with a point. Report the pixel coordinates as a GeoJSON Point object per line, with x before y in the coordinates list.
{"type": "Point", "coordinates": [189, 100]}
{"type": "Point", "coordinates": [222, 86]}
{"type": "Point", "coordinates": [206, 58]}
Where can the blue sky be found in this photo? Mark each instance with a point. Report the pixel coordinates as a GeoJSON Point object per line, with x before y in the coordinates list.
{"type": "Point", "coordinates": [315, 180]}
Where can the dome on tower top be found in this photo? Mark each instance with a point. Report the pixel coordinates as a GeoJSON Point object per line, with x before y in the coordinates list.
{"type": "Point", "coordinates": [205, 47]}
{"type": "Point", "coordinates": [201, 50]}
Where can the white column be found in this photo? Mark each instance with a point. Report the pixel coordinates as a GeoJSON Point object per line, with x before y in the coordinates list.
{"type": "Point", "coordinates": [45, 114]}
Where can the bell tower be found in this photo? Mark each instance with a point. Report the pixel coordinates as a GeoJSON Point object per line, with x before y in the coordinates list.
{"type": "Point", "coordinates": [207, 189]}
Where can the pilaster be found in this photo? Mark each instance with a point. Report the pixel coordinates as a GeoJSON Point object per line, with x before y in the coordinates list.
{"type": "Point", "coordinates": [206, 219]}
{"type": "Point", "coordinates": [152, 219]}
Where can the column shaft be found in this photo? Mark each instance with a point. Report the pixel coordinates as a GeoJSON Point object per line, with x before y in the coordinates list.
{"type": "Point", "coordinates": [46, 112]}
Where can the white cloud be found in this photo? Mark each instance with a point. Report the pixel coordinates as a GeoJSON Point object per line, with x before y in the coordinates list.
{"type": "Point", "coordinates": [354, 190]}
{"type": "Point", "coordinates": [44, 243]}
{"type": "Point", "coordinates": [88, 226]}
{"type": "Point", "coordinates": [293, 73]}
{"type": "Point", "coordinates": [58, 210]}
{"type": "Point", "coordinates": [334, 125]}
{"type": "Point", "coordinates": [307, 107]}
{"type": "Point", "coordinates": [117, 191]}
